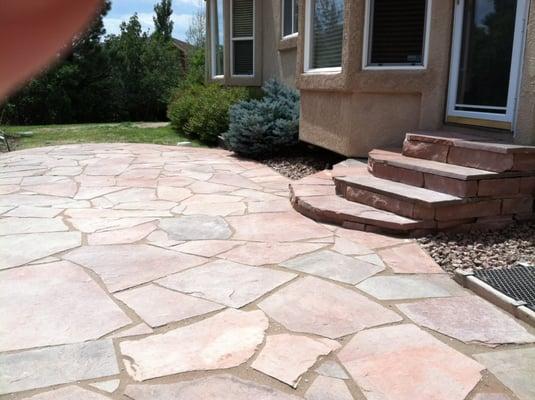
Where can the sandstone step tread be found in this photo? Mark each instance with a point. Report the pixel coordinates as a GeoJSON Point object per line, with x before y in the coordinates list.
{"type": "Point", "coordinates": [401, 191]}
{"type": "Point", "coordinates": [396, 159]}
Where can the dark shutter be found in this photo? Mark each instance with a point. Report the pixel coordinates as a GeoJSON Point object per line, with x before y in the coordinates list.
{"type": "Point", "coordinates": [242, 18]}
{"type": "Point", "coordinates": [328, 33]}
{"type": "Point", "coordinates": [243, 57]}
{"type": "Point", "coordinates": [397, 32]}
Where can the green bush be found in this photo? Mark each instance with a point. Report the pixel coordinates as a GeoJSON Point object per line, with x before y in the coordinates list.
{"type": "Point", "coordinates": [263, 127]}
{"type": "Point", "coordinates": [202, 111]}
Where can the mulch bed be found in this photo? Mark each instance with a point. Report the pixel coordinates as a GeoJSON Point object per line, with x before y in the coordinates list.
{"type": "Point", "coordinates": [483, 250]}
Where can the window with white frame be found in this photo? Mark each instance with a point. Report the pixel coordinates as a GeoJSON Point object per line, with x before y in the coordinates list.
{"type": "Point", "coordinates": [396, 33]}
{"type": "Point", "coordinates": [242, 37]}
{"type": "Point", "coordinates": [217, 38]}
{"type": "Point", "coordinates": [290, 20]}
{"type": "Point", "coordinates": [324, 35]}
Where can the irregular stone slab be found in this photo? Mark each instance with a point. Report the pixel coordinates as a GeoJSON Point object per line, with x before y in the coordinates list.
{"type": "Point", "coordinates": [172, 193]}
{"type": "Point", "coordinates": [331, 265]}
{"type": "Point", "coordinates": [268, 253]}
{"type": "Point", "coordinates": [315, 306]}
{"type": "Point", "coordinates": [69, 393]}
{"type": "Point", "coordinates": [206, 248]}
{"type": "Point", "coordinates": [381, 361]}
{"type": "Point", "coordinates": [124, 266]}
{"type": "Point", "coordinates": [222, 209]}
{"type": "Point", "coordinates": [209, 188]}
{"type": "Point", "coordinates": [64, 188]}
{"type": "Point", "coordinates": [57, 365]}
{"type": "Point", "coordinates": [95, 224]}
{"type": "Point", "coordinates": [514, 368]}
{"type": "Point", "coordinates": [276, 227]}
{"type": "Point", "coordinates": [222, 387]}
{"type": "Point", "coordinates": [140, 329]}
{"type": "Point", "coordinates": [132, 195]}
{"type": "Point", "coordinates": [121, 236]}
{"type": "Point", "coordinates": [271, 206]}
{"type": "Point", "coordinates": [372, 259]}
{"type": "Point", "coordinates": [14, 226]}
{"type": "Point", "coordinates": [491, 396]}
{"type": "Point", "coordinates": [225, 282]}
{"type": "Point", "coordinates": [214, 199]}
{"type": "Point", "coordinates": [349, 248]}
{"type": "Point", "coordinates": [469, 319]}
{"type": "Point", "coordinates": [369, 239]}
{"type": "Point", "coordinates": [286, 357]}
{"type": "Point", "coordinates": [411, 287]}
{"type": "Point", "coordinates": [35, 212]}
{"type": "Point", "coordinates": [410, 259]}
{"type": "Point", "coordinates": [324, 388]}
{"type": "Point", "coordinates": [332, 369]}
{"type": "Point", "coordinates": [58, 302]}
{"type": "Point", "coordinates": [196, 227]}
{"type": "Point", "coordinates": [158, 306]}
{"type": "Point", "coordinates": [20, 249]}
{"type": "Point", "coordinates": [90, 192]}
{"type": "Point", "coordinates": [146, 205]}
{"type": "Point", "coordinates": [225, 340]}
{"type": "Point", "coordinates": [107, 386]}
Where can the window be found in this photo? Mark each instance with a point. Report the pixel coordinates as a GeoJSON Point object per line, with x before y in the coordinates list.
{"type": "Point", "coordinates": [218, 31]}
{"type": "Point", "coordinates": [290, 19]}
{"type": "Point", "coordinates": [397, 33]}
{"type": "Point", "coordinates": [324, 35]}
{"type": "Point", "coordinates": [243, 37]}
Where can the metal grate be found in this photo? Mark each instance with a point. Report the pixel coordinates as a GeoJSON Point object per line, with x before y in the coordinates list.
{"type": "Point", "coordinates": [517, 282]}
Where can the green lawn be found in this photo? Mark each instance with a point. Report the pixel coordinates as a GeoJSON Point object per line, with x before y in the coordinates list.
{"type": "Point", "coordinates": [125, 132]}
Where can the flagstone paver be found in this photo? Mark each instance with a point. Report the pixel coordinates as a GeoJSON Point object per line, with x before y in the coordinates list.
{"type": "Point", "coordinates": [410, 287]}
{"type": "Point", "coordinates": [324, 388]}
{"type": "Point", "coordinates": [491, 396]}
{"type": "Point", "coordinates": [226, 282]}
{"type": "Point", "coordinates": [515, 368]}
{"type": "Point", "coordinates": [50, 366]}
{"type": "Point", "coordinates": [286, 357]}
{"type": "Point", "coordinates": [405, 363]}
{"type": "Point", "coordinates": [99, 241]}
{"type": "Point", "coordinates": [158, 306]}
{"type": "Point", "coordinates": [469, 319]}
{"type": "Point", "coordinates": [58, 301]}
{"type": "Point", "coordinates": [331, 265]}
{"type": "Point", "coordinates": [225, 340]}
{"type": "Point", "coordinates": [125, 266]}
{"type": "Point", "coordinates": [222, 387]}
{"type": "Point", "coordinates": [315, 306]}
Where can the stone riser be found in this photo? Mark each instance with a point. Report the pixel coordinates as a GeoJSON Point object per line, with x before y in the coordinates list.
{"type": "Point", "coordinates": [513, 186]}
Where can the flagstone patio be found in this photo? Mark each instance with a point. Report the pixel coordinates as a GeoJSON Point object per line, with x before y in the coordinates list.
{"type": "Point", "coordinates": [149, 272]}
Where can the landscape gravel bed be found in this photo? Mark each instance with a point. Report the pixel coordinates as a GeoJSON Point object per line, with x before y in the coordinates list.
{"type": "Point", "coordinates": [483, 250]}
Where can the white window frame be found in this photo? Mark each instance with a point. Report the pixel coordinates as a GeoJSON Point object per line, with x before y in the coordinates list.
{"type": "Point", "coordinates": [294, 32]}
{"type": "Point", "coordinates": [309, 10]}
{"type": "Point", "coordinates": [213, 53]}
{"type": "Point", "coordinates": [366, 52]}
{"type": "Point", "coordinates": [515, 77]}
{"type": "Point", "coordinates": [233, 39]}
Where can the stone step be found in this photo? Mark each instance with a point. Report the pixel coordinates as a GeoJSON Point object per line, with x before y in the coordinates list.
{"type": "Point", "coordinates": [469, 151]}
{"type": "Point", "coordinates": [448, 178]}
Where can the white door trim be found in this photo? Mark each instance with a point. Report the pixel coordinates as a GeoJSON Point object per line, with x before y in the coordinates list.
{"type": "Point", "coordinates": [516, 61]}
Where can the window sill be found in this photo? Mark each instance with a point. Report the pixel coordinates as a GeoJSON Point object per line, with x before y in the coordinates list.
{"type": "Point", "coordinates": [288, 42]}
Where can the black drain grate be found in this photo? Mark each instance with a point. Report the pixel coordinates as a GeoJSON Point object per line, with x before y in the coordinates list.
{"type": "Point", "coordinates": [517, 282]}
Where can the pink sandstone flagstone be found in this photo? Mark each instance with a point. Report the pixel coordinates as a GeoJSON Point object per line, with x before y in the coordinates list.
{"type": "Point", "coordinates": [332, 369]}
{"type": "Point", "coordinates": [259, 253]}
{"type": "Point", "coordinates": [206, 248]}
{"type": "Point", "coordinates": [109, 386]}
{"type": "Point", "coordinates": [34, 212]}
{"type": "Point", "coordinates": [120, 236]}
{"type": "Point", "coordinates": [69, 393]}
{"type": "Point", "coordinates": [220, 387]}
{"type": "Point", "coordinates": [66, 188]}
{"type": "Point", "coordinates": [469, 319]}
{"type": "Point", "coordinates": [90, 192]}
{"type": "Point", "coordinates": [124, 266]}
{"type": "Point", "coordinates": [222, 209]}
{"type": "Point", "coordinates": [312, 305]}
{"type": "Point", "coordinates": [139, 329]}
{"type": "Point", "coordinates": [276, 227]}
{"type": "Point", "coordinates": [225, 340]}
{"type": "Point", "coordinates": [60, 303]}
{"type": "Point", "coordinates": [171, 193]}
{"type": "Point", "coordinates": [324, 388]}
{"type": "Point", "coordinates": [270, 206]}
{"type": "Point", "coordinates": [403, 362]}
{"type": "Point", "coordinates": [209, 188]}
{"type": "Point", "coordinates": [370, 239]}
{"type": "Point", "coordinates": [14, 226]}
{"type": "Point", "coordinates": [409, 259]}
{"type": "Point", "coordinates": [158, 306]}
{"type": "Point", "coordinates": [349, 248]}
{"type": "Point", "coordinates": [286, 357]}
{"type": "Point", "coordinates": [226, 282]}
{"type": "Point", "coordinates": [93, 224]}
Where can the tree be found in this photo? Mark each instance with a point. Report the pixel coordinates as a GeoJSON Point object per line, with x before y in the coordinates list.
{"type": "Point", "coordinates": [196, 32]}
{"type": "Point", "coordinates": [163, 24]}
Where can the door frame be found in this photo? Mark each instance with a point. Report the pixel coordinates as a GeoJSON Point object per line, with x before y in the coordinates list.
{"type": "Point", "coordinates": [486, 119]}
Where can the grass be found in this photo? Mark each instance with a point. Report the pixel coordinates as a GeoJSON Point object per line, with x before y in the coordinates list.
{"type": "Point", "coordinates": [124, 132]}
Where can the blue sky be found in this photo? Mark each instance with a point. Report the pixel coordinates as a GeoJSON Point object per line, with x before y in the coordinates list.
{"type": "Point", "coordinates": [121, 10]}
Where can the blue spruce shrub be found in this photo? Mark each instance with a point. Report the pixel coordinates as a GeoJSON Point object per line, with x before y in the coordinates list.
{"type": "Point", "coordinates": [260, 128]}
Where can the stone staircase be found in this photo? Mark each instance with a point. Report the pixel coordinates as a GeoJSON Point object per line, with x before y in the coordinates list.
{"type": "Point", "coordinates": [438, 181]}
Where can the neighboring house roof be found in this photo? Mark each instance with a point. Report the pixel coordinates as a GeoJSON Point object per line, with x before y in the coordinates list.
{"type": "Point", "coordinates": [181, 45]}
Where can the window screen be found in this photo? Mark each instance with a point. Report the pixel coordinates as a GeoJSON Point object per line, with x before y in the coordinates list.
{"type": "Point", "coordinates": [243, 37]}
{"type": "Point", "coordinates": [397, 32]}
{"type": "Point", "coordinates": [289, 17]}
{"type": "Point", "coordinates": [327, 33]}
